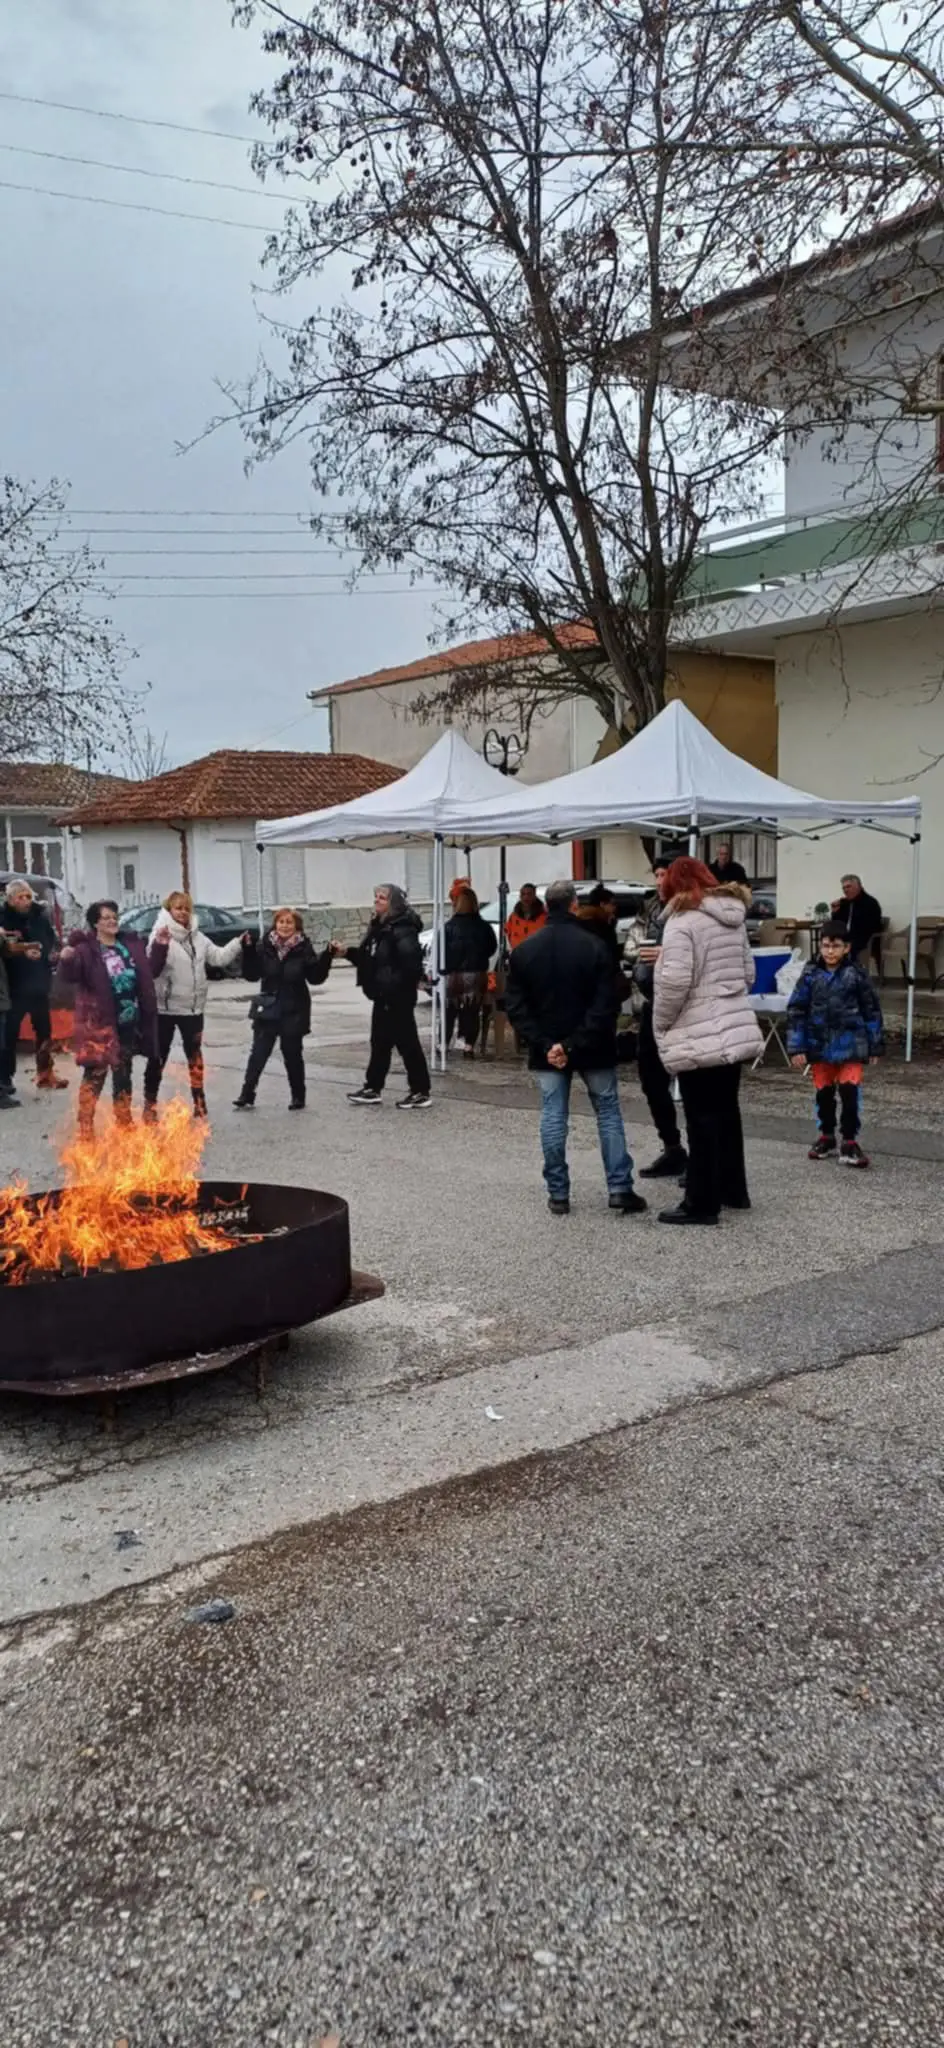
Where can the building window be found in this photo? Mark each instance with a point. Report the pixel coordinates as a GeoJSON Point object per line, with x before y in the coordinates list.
{"type": "Point", "coordinates": [419, 874]}
{"type": "Point", "coordinates": [27, 846]}
{"type": "Point", "coordinates": [36, 857]}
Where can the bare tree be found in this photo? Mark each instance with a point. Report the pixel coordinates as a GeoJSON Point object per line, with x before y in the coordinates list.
{"type": "Point", "coordinates": [145, 754]}
{"type": "Point", "coordinates": [514, 204]}
{"type": "Point", "coordinates": [886, 110]}
{"type": "Point", "coordinates": [62, 668]}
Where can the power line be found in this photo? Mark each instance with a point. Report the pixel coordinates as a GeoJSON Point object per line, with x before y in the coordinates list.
{"type": "Point", "coordinates": [205, 554]}
{"type": "Point", "coordinates": [191, 533]}
{"type": "Point", "coordinates": [228, 575]}
{"type": "Point", "coordinates": [191, 512]}
{"type": "Point", "coordinates": [97, 163]}
{"type": "Point", "coordinates": [27, 99]}
{"type": "Point", "coordinates": [135, 206]}
{"type": "Point", "coordinates": [140, 596]}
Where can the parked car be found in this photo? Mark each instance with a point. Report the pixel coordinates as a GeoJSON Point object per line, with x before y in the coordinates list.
{"type": "Point", "coordinates": [763, 907]}
{"type": "Point", "coordinates": [219, 926]}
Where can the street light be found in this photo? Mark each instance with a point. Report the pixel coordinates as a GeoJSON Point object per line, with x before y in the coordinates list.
{"type": "Point", "coordinates": [504, 751]}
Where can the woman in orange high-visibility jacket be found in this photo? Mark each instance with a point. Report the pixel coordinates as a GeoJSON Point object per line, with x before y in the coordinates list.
{"type": "Point", "coordinates": [527, 917]}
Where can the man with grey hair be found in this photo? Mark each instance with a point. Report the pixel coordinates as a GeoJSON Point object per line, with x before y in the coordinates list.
{"type": "Point", "coordinates": [561, 1000]}
{"type": "Point", "coordinates": [862, 916]}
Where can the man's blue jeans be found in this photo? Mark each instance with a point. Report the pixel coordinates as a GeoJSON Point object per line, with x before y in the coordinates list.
{"type": "Point", "coordinates": [602, 1089]}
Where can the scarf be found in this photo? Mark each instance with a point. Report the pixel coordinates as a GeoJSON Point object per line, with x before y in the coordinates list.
{"type": "Point", "coordinates": [284, 946]}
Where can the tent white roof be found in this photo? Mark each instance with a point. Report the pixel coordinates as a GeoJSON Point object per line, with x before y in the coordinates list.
{"type": "Point", "coordinates": [450, 784]}
{"type": "Point", "coordinates": [673, 771]}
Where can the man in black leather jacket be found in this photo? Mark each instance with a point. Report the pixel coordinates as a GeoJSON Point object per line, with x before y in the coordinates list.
{"type": "Point", "coordinates": [562, 1001]}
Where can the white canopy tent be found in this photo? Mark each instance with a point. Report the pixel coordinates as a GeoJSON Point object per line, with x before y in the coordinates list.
{"type": "Point", "coordinates": [673, 771]}
{"type": "Point", "coordinates": [430, 799]}
{"type": "Point", "coordinates": [435, 800]}
{"type": "Point", "coordinates": [676, 773]}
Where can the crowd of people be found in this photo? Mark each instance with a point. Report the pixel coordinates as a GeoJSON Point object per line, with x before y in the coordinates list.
{"type": "Point", "coordinates": [566, 988]}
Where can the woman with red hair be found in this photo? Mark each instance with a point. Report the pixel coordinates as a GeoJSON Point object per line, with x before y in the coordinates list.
{"type": "Point", "coordinates": [705, 1029]}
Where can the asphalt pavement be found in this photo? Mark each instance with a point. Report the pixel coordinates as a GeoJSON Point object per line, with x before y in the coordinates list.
{"type": "Point", "coordinates": [583, 1683]}
{"type": "Point", "coordinates": [640, 1742]}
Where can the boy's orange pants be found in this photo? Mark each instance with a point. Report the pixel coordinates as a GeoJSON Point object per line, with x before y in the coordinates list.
{"type": "Point", "coordinates": [832, 1073]}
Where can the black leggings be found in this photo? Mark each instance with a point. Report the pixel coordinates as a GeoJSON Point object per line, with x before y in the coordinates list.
{"type": "Point", "coordinates": [716, 1176]}
{"type": "Point", "coordinates": [191, 1038]}
{"type": "Point", "coordinates": [264, 1039]}
{"type": "Point", "coordinates": [655, 1083]}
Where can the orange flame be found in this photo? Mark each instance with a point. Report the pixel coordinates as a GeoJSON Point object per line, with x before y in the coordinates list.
{"type": "Point", "coordinates": [129, 1200]}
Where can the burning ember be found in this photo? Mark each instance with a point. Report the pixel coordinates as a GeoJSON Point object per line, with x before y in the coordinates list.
{"type": "Point", "coordinates": [129, 1200]}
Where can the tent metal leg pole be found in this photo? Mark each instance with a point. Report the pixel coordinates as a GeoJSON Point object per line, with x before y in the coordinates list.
{"type": "Point", "coordinates": [912, 944]}
{"type": "Point", "coordinates": [260, 888]}
{"type": "Point", "coordinates": [434, 989]}
{"type": "Point", "coordinates": [442, 955]}
{"type": "Point", "coordinates": [693, 854]}
{"type": "Point", "coordinates": [439, 992]}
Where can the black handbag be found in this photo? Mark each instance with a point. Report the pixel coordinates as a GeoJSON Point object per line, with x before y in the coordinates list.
{"type": "Point", "coordinates": [264, 1009]}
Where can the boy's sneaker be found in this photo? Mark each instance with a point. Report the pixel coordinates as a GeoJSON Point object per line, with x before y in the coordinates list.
{"type": "Point", "coordinates": [824, 1148]}
{"type": "Point", "coordinates": [365, 1097]}
{"type": "Point", "coordinates": [851, 1153]}
{"type": "Point", "coordinates": [415, 1100]}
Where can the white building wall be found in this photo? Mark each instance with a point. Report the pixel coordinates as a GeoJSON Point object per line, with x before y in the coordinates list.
{"type": "Point", "coordinates": [880, 450]}
{"type": "Point", "coordinates": [862, 715]}
{"type": "Point", "coordinates": [152, 850]}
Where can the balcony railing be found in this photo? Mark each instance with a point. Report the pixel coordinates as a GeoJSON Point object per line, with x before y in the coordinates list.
{"type": "Point", "coordinates": [774, 550]}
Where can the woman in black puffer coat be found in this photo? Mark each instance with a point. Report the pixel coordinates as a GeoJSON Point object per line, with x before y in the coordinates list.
{"type": "Point", "coordinates": [389, 964]}
{"type": "Point", "coordinates": [470, 942]}
{"type": "Point", "coordinates": [286, 965]}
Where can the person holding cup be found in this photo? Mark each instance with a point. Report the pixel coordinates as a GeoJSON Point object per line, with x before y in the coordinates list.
{"type": "Point", "coordinates": [654, 1081]}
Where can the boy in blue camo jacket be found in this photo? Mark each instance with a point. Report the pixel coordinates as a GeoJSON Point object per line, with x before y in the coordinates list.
{"type": "Point", "coordinates": [834, 1026]}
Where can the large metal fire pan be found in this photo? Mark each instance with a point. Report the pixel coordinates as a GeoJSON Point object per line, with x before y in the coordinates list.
{"type": "Point", "coordinates": [114, 1323]}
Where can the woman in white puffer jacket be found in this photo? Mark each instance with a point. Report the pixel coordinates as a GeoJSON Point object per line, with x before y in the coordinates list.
{"type": "Point", "coordinates": [705, 1029]}
{"type": "Point", "coordinates": [179, 956]}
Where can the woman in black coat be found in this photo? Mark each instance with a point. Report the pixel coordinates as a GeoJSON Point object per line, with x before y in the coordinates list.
{"type": "Point", "coordinates": [285, 964]}
{"type": "Point", "coordinates": [470, 942]}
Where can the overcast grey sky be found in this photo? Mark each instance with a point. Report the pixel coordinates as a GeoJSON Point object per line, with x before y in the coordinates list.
{"type": "Point", "coordinates": [115, 325]}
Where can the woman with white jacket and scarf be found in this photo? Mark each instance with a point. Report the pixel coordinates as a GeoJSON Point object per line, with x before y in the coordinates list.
{"type": "Point", "coordinates": [179, 956]}
{"type": "Point", "coordinates": [705, 1029]}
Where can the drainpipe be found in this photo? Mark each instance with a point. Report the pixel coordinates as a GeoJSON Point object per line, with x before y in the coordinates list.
{"type": "Point", "coordinates": [181, 831]}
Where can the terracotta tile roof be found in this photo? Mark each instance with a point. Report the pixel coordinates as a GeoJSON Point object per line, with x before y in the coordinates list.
{"type": "Point", "coordinates": [233, 784]}
{"type": "Point", "coordinates": [48, 785]}
{"type": "Point", "coordinates": [509, 647]}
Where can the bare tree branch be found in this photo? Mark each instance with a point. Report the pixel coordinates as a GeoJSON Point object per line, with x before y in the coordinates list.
{"type": "Point", "coordinates": [63, 691]}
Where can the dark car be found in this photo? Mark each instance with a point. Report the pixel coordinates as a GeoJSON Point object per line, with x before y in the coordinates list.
{"type": "Point", "coordinates": [219, 926]}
